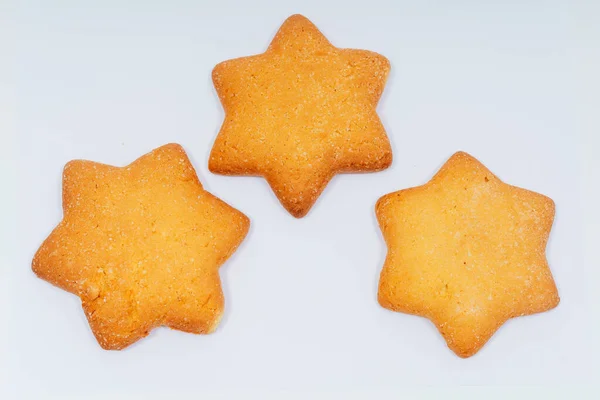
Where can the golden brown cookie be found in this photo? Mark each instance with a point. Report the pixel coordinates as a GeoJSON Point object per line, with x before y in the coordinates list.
{"type": "Point", "coordinates": [141, 246]}
{"type": "Point", "coordinates": [300, 113]}
{"type": "Point", "coordinates": [466, 251]}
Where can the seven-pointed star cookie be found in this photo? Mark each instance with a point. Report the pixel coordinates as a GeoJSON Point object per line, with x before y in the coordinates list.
{"type": "Point", "coordinates": [300, 113]}
{"type": "Point", "coordinates": [466, 251]}
{"type": "Point", "coordinates": [141, 246]}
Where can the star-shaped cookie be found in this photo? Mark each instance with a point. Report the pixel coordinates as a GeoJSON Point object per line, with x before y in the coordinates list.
{"type": "Point", "coordinates": [300, 113]}
{"type": "Point", "coordinates": [141, 246]}
{"type": "Point", "coordinates": [466, 251]}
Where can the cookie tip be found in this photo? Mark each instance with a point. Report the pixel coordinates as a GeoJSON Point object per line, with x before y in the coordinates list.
{"type": "Point", "coordinates": [298, 212]}
{"type": "Point", "coordinates": [382, 299]}
{"type": "Point", "coordinates": [213, 165]}
{"type": "Point", "coordinates": [244, 224]}
{"type": "Point", "coordinates": [35, 263]}
{"type": "Point", "coordinates": [71, 166]}
{"type": "Point", "coordinates": [296, 17]}
{"type": "Point", "coordinates": [464, 354]}
{"type": "Point", "coordinates": [169, 147]}
{"type": "Point", "coordinates": [383, 201]}
{"type": "Point", "coordinates": [215, 323]}
{"type": "Point", "coordinates": [461, 154]}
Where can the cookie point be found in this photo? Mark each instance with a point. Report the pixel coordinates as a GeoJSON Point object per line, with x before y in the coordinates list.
{"type": "Point", "coordinates": [297, 17]}
{"type": "Point", "coordinates": [466, 159]}
{"type": "Point", "coordinates": [216, 71]}
{"type": "Point", "coordinates": [380, 203]}
{"type": "Point", "coordinates": [461, 154]}
{"type": "Point", "coordinates": [171, 146]}
{"type": "Point", "coordinates": [464, 354]}
{"type": "Point", "coordinates": [212, 165]}
{"type": "Point", "coordinates": [463, 351]}
{"type": "Point", "coordinates": [551, 205]}
{"type": "Point", "coordinates": [108, 344]}
{"type": "Point", "coordinates": [296, 211]}
{"type": "Point", "coordinates": [35, 263]}
{"type": "Point", "coordinates": [556, 301]}
{"type": "Point", "coordinates": [383, 299]}
{"type": "Point", "coordinates": [215, 323]}
{"type": "Point", "coordinates": [387, 65]}
{"type": "Point", "coordinates": [72, 165]}
{"type": "Point", "coordinates": [244, 224]}
{"type": "Point", "coordinates": [297, 21]}
{"type": "Point", "coordinates": [170, 149]}
{"type": "Point", "coordinates": [387, 160]}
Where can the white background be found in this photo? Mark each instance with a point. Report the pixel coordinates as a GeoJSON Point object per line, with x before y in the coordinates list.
{"type": "Point", "coordinates": [109, 81]}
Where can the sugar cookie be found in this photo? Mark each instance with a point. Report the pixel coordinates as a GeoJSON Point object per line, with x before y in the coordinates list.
{"type": "Point", "coordinates": [466, 251]}
{"type": "Point", "coordinates": [300, 113]}
{"type": "Point", "coordinates": [141, 246]}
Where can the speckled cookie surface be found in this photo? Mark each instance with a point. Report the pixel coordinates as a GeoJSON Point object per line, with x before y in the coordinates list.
{"type": "Point", "coordinates": [466, 251]}
{"type": "Point", "coordinates": [300, 113]}
{"type": "Point", "coordinates": [141, 246]}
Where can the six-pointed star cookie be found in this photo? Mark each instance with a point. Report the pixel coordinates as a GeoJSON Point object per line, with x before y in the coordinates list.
{"type": "Point", "coordinates": [300, 113]}
{"type": "Point", "coordinates": [466, 251]}
{"type": "Point", "coordinates": [141, 246]}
